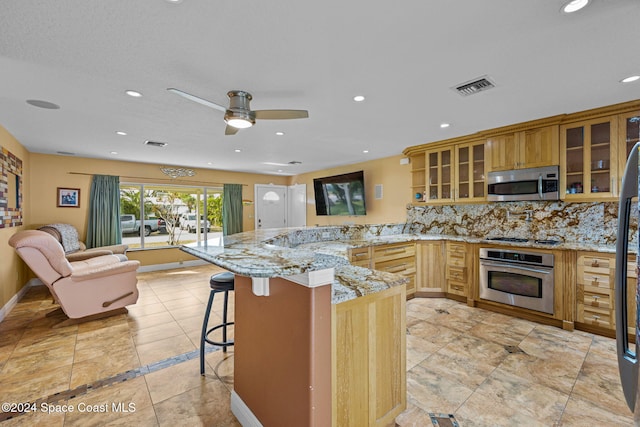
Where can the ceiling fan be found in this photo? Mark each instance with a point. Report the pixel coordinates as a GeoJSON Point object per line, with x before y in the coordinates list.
{"type": "Point", "coordinates": [239, 115]}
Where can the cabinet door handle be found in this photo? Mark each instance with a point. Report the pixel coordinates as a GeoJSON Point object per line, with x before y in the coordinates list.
{"type": "Point", "coordinates": [595, 263]}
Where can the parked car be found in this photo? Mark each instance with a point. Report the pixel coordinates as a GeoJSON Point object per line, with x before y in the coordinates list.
{"type": "Point", "coordinates": [131, 225]}
{"type": "Point", "coordinates": [188, 222]}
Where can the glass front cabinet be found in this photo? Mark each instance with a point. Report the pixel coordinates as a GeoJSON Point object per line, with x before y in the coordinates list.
{"type": "Point", "coordinates": [470, 182]}
{"type": "Point", "coordinates": [439, 175]}
{"type": "Point", "coordinates": [629, 126]}
{"type": "Point", "coordinates": [589, 159]}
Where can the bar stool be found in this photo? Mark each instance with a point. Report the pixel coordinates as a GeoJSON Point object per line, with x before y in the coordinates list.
{"type": "Point", "coordinates": [223, 282]}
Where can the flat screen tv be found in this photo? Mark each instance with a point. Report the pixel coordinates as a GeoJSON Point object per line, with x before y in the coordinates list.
{"type": "Point", "coordinates": [340, 194]}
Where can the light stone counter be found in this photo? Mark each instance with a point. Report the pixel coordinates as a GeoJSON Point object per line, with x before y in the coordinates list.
{"type": "Point", "coordinates": [292, 251]}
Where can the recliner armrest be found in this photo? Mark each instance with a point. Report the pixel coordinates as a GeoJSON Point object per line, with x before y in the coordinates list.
{"type": "Point", "coordinates": [103, 270]}
{"type": "Point", "coordinates": [80, 256]}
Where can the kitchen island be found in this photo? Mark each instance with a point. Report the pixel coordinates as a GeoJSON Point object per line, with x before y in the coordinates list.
{"type": "Point", "coordinates": [318, 341]}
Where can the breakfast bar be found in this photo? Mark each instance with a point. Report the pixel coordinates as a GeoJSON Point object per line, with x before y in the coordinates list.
{"type": "Point", "coordinates": [318, 341]}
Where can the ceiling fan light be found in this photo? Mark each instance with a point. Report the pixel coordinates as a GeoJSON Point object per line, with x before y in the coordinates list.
{"type": "Point", "coordinates": [239, 123]}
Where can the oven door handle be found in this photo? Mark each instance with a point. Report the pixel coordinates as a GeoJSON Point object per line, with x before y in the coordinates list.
{"type": "Point", "coordinates": [511, 267]}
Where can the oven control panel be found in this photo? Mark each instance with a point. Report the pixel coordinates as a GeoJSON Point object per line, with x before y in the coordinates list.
{"type": "Point", "coordinates": [506, 255]}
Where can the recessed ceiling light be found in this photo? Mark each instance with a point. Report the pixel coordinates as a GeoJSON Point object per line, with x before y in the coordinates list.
{"type": "Point", "coordinates": [114, 152]}
{"type": "Point", "coordinates": [444, 125]}
{"type": "Point", "coordinates": [365, 151]}
{"type": "Point", "coordinates": [279, 133]}
{"type": "Point", "coordinates": [279, 170]}
{"type": "Point", "coordinates": [43, 104]}
{"type": "Point", "coordinates": [358, 98]}
{"type": "Point", "coordinates": [237, 150]}
{"type": "Point", "coordinates": [121, 133]}
{"type": "Point", "coordinates": [133, 93]}
{"type": "Point", "coordinates": [174, 1]}
{"type": "Point", "coordinates": [574, 5]}
{"type": "Point", "coordinates": [630, 79]}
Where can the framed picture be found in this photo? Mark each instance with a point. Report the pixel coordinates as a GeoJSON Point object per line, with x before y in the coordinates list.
{"type": "Point", "coordinates": [68, 197]}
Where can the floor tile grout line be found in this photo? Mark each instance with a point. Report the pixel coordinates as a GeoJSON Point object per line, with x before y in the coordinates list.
{"type": "Point", "coordinates": [114, 379]}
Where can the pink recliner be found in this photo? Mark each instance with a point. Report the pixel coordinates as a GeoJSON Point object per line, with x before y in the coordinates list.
{"type": "Point", "coordinates": [91, 288]}
{"type": "Point", "coordinates": [74, 249]}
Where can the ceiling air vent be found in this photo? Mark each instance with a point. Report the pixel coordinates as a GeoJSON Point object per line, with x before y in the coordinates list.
{"type": "Point", "coordinates": [155, 144]}
{"type": "Point", "coordinates": [474, 86]}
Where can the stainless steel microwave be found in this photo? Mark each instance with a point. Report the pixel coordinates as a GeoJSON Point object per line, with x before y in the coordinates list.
{"type": "Point", "coordinates": [524, 184]}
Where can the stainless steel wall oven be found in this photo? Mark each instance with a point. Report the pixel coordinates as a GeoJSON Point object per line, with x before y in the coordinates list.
{"type": "Point", "coordinates": [518, 278]}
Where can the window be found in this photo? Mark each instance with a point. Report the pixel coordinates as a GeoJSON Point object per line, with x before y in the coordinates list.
{"type": "Point", "coordinates": [159, 216]}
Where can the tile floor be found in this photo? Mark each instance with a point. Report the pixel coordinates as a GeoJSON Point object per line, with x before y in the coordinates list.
{"type": "Point", "coordinates": [142, 368]}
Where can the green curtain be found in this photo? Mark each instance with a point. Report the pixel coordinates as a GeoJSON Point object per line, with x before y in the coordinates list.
{"type": "Point", "coordinates": [104, 212]}
{"type": "Point", "coordinates": [231, 209]}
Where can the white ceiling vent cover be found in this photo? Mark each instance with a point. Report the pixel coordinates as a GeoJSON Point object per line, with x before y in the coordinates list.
{"type": "Point", "coordinates": [156, 144]}
{"type": "Point", "coordinates": [474, 86]}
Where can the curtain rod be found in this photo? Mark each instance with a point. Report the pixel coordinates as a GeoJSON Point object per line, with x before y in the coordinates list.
{"type": "Point", "coordinates": [159, 179]}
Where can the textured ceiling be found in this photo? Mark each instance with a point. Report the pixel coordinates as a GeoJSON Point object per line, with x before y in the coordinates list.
{"type": "Point", "coordinates": [403, 56]}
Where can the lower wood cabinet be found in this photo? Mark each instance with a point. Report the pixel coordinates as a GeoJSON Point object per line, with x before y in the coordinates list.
{"type": "Point", "coordinates": [399, 258]}
{"type": "Point", "coordinates": [430, 269]}
{"type": "Point", "coordinates": [369, 359]}
{"type": "Point", "coordinates": [360, 256]}
{"type": "Point", "coordinates": [595, 301]}
{"type": "Point", "coordinates": [458, 270]}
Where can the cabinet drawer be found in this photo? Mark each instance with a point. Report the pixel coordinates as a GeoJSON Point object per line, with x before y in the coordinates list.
{"type": "Point", "coordinates": [458, 261]}
{"type": "Point", "coordinates": [387, 252]}
{"type": "Point", "coordinates": [632, 270]}
{"type": "Point", "coordinates": [596, 261]}
{"type": "Point", "coordinates": [597, 299]}
{"type": "Point", "coordinates": [366, 263]}
{"type": "Point", "coordinates": [457, 288]}
{"type": "Point", "coordinates": [598, 316]}
{"type": "Point", "coordinates": [456, 249]}
{"type": "Point", "coordinates": [359, 254]}
{"type": "Point", "coordinates": [595, 280]}
{"type": "Point", "coordinates": [456, 273]}
{"type": "Point", "coordinates": [404, 266]}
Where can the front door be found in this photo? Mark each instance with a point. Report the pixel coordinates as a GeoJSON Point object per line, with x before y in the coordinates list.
{"type": "Point", "coordinates": [271, 206]}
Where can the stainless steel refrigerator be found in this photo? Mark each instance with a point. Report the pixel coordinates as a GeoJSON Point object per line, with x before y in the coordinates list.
{"type": "Point", "coordinates": [627, 352]}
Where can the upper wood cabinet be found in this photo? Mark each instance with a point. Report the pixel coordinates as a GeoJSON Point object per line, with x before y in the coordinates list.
{"type": "Point", "coordinates": [439, 169]}
{"type": "Point", "coordinates": [629, 132]}
{"type": "Point", "coordinates": [448, 174]}
{"type": "Point", "coordinates": [469, 172]}
{"type": "Point", "coordinates": [589, 159]}
{"type": "Point", "coordinates": [590, 146]}
{"type": "Point", "coordinates": [523, 149]}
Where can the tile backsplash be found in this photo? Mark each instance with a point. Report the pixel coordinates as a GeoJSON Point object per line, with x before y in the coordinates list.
{"type": "Point", "coordinates": [593, 223]}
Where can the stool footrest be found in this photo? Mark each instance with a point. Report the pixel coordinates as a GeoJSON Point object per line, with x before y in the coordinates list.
{"type": "Point", "coordinates": [218, 343]}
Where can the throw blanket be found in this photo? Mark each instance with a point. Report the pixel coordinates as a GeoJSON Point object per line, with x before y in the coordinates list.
{"type": "Point", "coordinates": [68, 236]}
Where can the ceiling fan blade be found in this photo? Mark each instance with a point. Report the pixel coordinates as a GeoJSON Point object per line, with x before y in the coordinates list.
{"type": "Point", "coordinates": [281, 114]}
{"type": "Point", "coordinates": [230, 130]}
{"type": "Point", "coordinates": [197, 99]}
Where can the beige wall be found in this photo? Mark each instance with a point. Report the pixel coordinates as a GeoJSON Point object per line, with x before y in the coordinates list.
{"type": "Point", "coordinates": [13, 272]}
{"type": "Point", "coordinates": [394, 177]}
{"type": "Point", "coordinates": [52, 171]}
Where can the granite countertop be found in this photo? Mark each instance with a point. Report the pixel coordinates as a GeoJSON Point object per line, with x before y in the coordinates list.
{"type": "Point", "coordinates": [290, 251]}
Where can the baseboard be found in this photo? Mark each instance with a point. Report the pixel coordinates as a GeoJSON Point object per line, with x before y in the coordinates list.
{"type": "Point", "coordinates": [171, 265]}
{"type": "Point", "coordinates": [242, 412]}
{"type": "Point", "coordinates": [6, 309]}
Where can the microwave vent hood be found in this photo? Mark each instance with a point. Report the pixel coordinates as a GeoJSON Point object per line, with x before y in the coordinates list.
{"type": "Point", "coordinates": [533, 184]}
